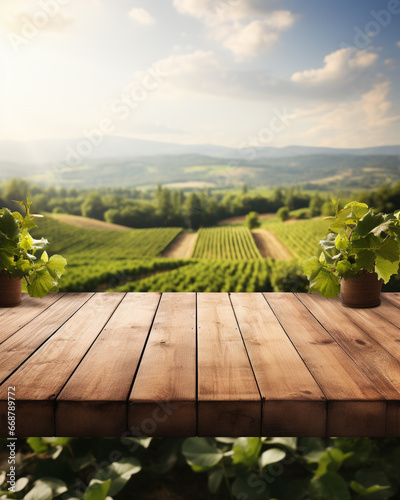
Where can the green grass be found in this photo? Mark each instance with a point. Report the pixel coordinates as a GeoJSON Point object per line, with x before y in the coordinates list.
{"type": "Point", "coordinates": [225, 242]}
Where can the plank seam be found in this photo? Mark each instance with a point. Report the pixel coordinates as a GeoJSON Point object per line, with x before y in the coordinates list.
{"type": "Point", "coordinates": [140, 360]}
{"type": "Point", "coordinates": [301, 357]}
{"type": "Point", "coordinates": [385, 399]}
{"type": "Point", "coordinates": [251, 366]}
{"type": "Point", "coordinates": [32, 319]}
{"type": "Point", "coordinates": [44, 341]}
{"type": "Point", "coordinates": [80, 361]}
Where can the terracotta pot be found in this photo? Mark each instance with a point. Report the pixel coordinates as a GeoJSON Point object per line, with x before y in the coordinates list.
{"type": "Point", "coordinates": [363, 291]}
{"type": "Point", "coordinates": [10, 290]}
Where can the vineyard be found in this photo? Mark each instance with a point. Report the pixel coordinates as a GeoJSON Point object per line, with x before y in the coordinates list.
{"type": "Point", "coordinates": [232, 243]}
{"type": "Point", "coordinates": [93, 244]}
{"type": "Point", "coordinates": [302, 236]}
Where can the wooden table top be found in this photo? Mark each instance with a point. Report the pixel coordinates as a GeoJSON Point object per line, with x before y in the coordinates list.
{"type": "Point", "coordinates": [206, 364]}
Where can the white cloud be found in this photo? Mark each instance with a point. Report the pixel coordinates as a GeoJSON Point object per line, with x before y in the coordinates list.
{"type": "Point", "coordinates": [392, 64]}
{"type": "Point", "coordinates": [245, 27]}
{"type": "Point", "coordinates": [398, 44]}
{"type": "Point", "coordinates": [141, 16]}
{"type": "Point", "coordinates": [20, 17]}
{"type": "Point", "coordinates": [339, 66]}
{"type": "Point", "coordinates": [362, 122]}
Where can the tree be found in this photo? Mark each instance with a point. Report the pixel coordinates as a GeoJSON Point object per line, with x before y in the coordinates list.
{"type": "Point", "coordinates": [93, 207]}
{"type": "Point", "coordinates": [252, 220]}
{"type": "Point", "coordinates": [283, 213]}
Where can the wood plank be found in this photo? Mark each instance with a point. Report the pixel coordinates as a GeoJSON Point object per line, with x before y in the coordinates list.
{"type": "Point", "coordinates": [163, 398]}
{"type": "Point", "coordinates": [17, 348]}
{"type": "Point", "coordinates": [94, 400]}
{"type": "Point", "coordinates": [289, 391]}
{"type": "Point", "coordinates": [39, 380]}
{"type": "Point", "coordinates": [377, 363]}
{"type": "Point", "coordinates": [229, 402]}
{"type": "Point", "coordinates": [393, 298]}
{"type": "Point", "coordinates": [355, 407]}
{"type": "Point", "coordinates": [13, 319]}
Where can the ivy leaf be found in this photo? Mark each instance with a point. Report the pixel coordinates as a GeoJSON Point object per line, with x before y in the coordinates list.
{"type": "Point", "coordinates": [341, 242]}
{"type": "Point", "coordinates": [357, 209]}
{"type": "Point", "coordinates": [201, 453]}
{"type": "Point", "coordinates": [57, 486]}
{"type": "Point", "coordinates": [330, 486]}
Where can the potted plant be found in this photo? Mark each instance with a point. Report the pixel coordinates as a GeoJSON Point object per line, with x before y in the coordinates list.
{"type": "Point", "coordinates": [359, 254]}
{"type": "Point", "coordinates": [18, 260]}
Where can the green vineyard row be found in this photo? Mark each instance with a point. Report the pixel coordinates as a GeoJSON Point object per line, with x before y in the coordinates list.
{"type": "Point", "coordinates": [228, 243]}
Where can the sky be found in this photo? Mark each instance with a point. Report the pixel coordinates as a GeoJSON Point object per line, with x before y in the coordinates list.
{"type": "Point", "coordinates": [235, 73]}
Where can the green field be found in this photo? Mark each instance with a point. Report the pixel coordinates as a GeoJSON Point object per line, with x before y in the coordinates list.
{"type": "Point", "coordinates": [301, 237]}
{"type": "Point", "coordinates": [94, 244]}
{"type": "Point", "coordinates": [227, 242]}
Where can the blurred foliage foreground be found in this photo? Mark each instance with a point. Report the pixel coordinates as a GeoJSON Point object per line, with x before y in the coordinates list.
{"type": "Point", "coordinates": [201, 468]}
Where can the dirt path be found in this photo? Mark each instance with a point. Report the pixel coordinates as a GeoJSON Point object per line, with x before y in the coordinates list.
{"type": "Point", "coordinates": [85, 222]}
{"type": "Point", "coordinates": [182, 246]}
{"type": "Point", "coordinates": [269, 245]}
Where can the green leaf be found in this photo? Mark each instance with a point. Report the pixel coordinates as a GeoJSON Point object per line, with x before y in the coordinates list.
{"type": "Point", "coordinates": [37, 444]}
{"type": "Point", "coordinates": [326, 283]}
{"type": "Point", "coordinates": [97, 490]}
{"type": "Point", "coordinates": [56, 265]}
{"type": "Point", "coordinates": [42, 282]}
{"type": "Point", "coordinates": [246, 450]}
{"type": "Point", "coordinates": [330, 486]}
{"type": "Point", "coordinates": [341, 242]}
{"type": "Point", "coordinates": [362, 491]}
{"type": "Point", "coordinates": [40, 491]}
{"type": "Point", "coordinates": [9, 226]}
{"type": "Point", "coordinates": [385, 269]}
{"type": "Point", "coordinates": [119, 473]}
{"type": "Point", "coordinates": [20, 484]}
{"type": "Point", "coordinates": [287, 442]}
{"type": "Point", "coordinates": [343, 267]}
{"type": "Point", "coordinates": [201, 452]}
{"type": "Point", "coordinates": [57, 486]}
{"type": "Point", "coordinates": [358, 210]}
{"type": "Point", "coordinates": [369, 222]}
{"type": "Point", "coordinates": [214, 480]}
{"type": "Point", "coordinates": [24, 265]}
{"type": "Point", "coordinates": [365, 260]}
{"type": "Point", "coordinates": [389, 250]}
{"type": "Point", "coordinates": [249, 486]}
{"type": "Point", "coordinates": [271, 456]}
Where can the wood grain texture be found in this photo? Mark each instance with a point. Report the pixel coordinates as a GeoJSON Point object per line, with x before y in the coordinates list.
{"type": "Point", "coordinates": [241, 364]}
{"type": "Point", "coordinates": [163, 397]}
{"type": "Point", "coordinates": [17, 348]}
{"type": "Point", "coordinates": [39, 380]}
{"type": "Point", "coordinates": [355, 406]}
{"type": "Point", "coordinates": [289, 391]}
{"type": "Point", "coordinates": [381, 367]}
{"type": "Point", "coordinates": [229, 402]}
{"type": "Point", "coordinates": [94, 401]}
{"type": "Point", "coordinates": [13, 319]}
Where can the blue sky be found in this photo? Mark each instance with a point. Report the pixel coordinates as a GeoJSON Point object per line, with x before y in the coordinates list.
{"type": "Point", "coordinates": [228, 72]}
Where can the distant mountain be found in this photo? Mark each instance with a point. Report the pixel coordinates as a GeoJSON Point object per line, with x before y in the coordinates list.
{"type": "Point", "coordinates": [55, 150]}
{"type": "Point", "coordinates": [121, 161]}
